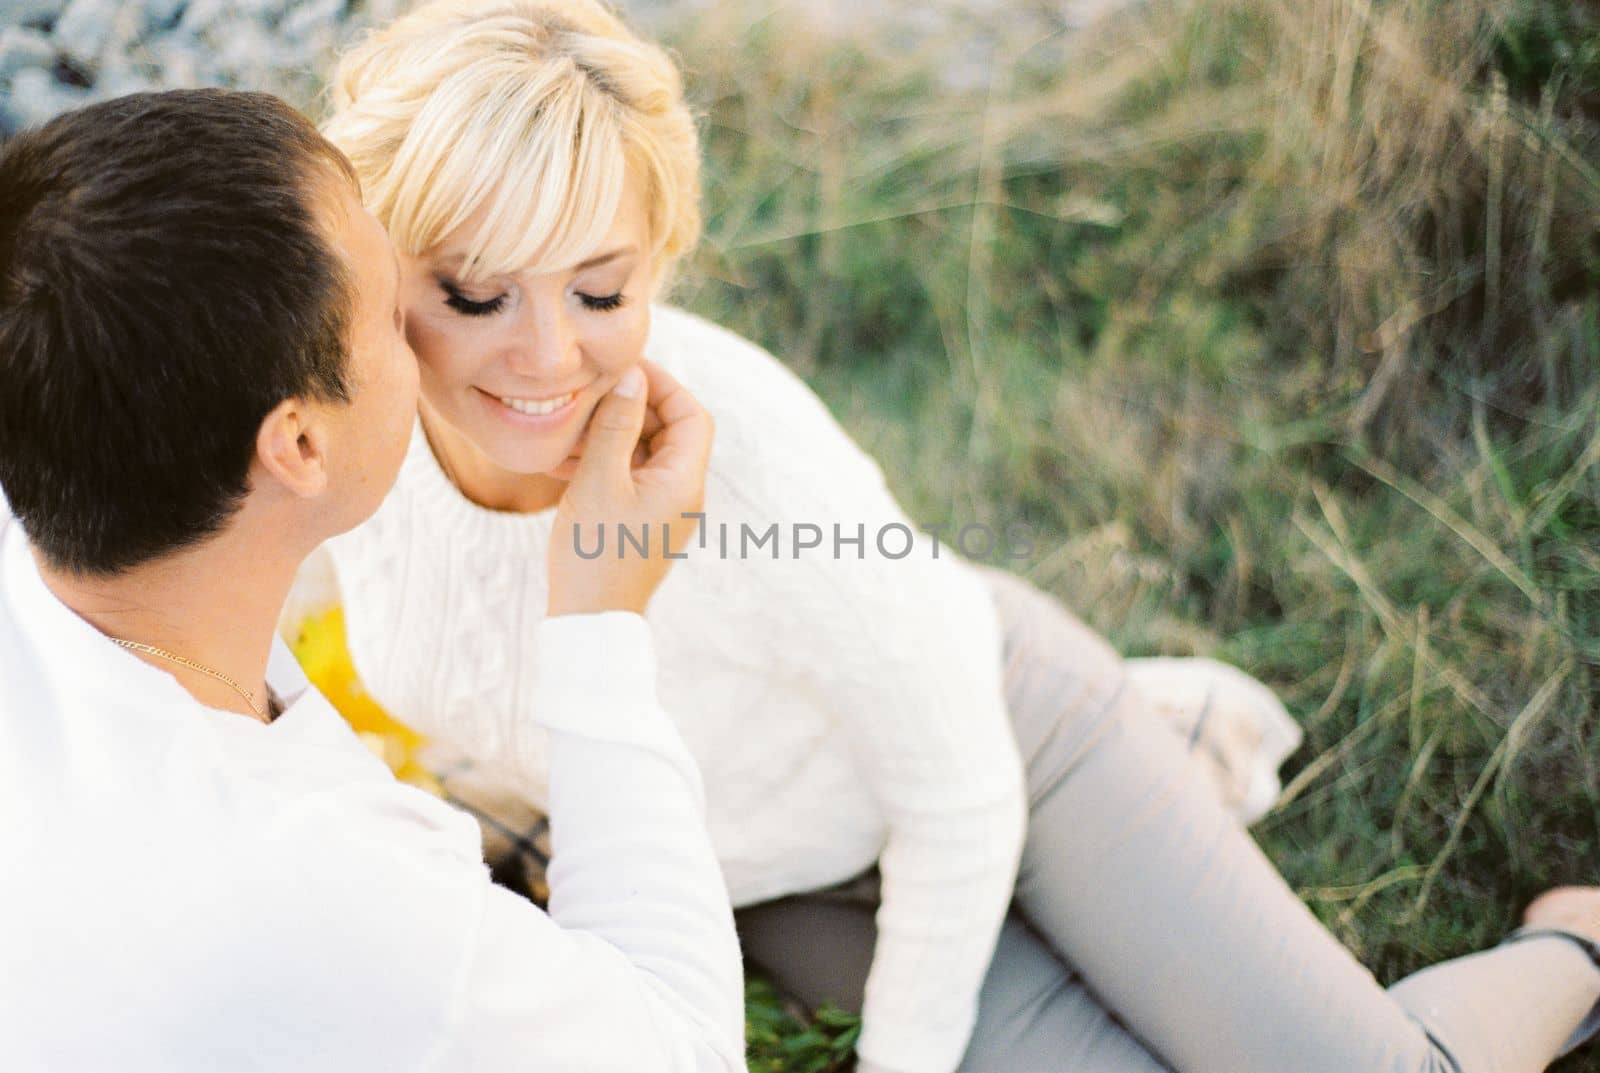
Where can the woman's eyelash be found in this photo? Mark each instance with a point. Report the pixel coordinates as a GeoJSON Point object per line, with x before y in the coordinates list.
{"type": "Point", "coordinates": [603, 303]}
{"type": "Point", "coordinates": [462, 304]}
{"type": "Point", "coordinates": [600, 303]}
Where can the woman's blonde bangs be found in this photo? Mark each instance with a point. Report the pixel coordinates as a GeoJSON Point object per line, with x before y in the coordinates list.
{"type": "Point", "coordinates": [539, 161]}
{"type": "Point", "coordinates": [522, 118]}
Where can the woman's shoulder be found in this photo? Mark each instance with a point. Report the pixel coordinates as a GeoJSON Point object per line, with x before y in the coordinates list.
{"type": "Point", "coordinates": [772, 429]}
{"type": "Point", "coordinates": [725, 370]}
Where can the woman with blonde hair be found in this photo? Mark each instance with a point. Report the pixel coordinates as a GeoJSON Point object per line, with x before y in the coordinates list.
{"type": "Point", "coordinates": [886, 733]}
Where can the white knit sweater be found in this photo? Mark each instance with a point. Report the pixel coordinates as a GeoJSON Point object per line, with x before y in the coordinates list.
{"type": "Point", "coordinates": [843, 710]}
{"type": "Point", "coordinates": [191, 891]}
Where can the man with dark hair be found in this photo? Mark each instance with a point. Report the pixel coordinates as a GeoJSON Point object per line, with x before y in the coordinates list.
{"type": "Point", "coordinates": [203, 375]}
{"type": "Point", "coordinates": [165, 318]}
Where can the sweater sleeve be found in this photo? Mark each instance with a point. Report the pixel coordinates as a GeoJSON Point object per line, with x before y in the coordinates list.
{"type": "Point", "coordinates": [913, 670]}
{"type": "Point", "coordinates": [905, 650]}
{"type": "Point", "coordinates": [637, 965]}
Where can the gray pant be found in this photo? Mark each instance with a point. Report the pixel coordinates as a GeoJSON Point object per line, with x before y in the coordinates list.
{"type": "Point", "coordinates": [1150, 933]}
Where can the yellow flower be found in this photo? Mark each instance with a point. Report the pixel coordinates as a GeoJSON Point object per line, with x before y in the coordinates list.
{"type": "Point", "coordinates": [321, 649]}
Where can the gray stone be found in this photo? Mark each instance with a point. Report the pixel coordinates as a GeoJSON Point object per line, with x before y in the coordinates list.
{"type": "Point", "coordinates": [118, 79]}
{"type": "Point", "coordinates": [383, 12]}
{"type": "Point", "coordinates": [200, 14]}
{"type": "Point", "coordinates": [83, 28]}
{"type": "Point", "coordinates": [247, 56]}
{"type": "Point", "coordinates": [34, 12]}
{"type": "Point", "coordinates": [36, 97]}
{"type": "Point", "coordinates": [263, 11]}
{"type": "Point", "coordinates": [176, 58]}
{"type": "Point", "coordinates": [122, 43]}
{"type": "Point", "coordinates": [161, 14]}
{"type": "Point", "coordinates": [20, 48]}
{"type": "Point", "coordinates": [309, 17]}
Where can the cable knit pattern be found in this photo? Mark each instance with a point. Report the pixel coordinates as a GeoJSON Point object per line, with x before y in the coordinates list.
{"type": "Point", "coordinates": [842, 710]}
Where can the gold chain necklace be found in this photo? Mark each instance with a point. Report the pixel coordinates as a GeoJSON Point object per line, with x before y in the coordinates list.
{"type": "Point", "coordinates": [152, 650]}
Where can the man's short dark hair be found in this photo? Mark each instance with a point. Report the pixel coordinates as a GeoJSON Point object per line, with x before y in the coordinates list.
{"type": "Point", "coordinates": [166, 280]}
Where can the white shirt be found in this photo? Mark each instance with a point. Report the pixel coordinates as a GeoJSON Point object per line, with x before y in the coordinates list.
{"type": "Point", "coordinates": [843, 710]}
{"type": "Point", "coordinates": [189, 889]}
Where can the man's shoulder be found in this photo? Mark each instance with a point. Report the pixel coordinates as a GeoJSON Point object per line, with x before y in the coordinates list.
{"type": "Point", "coordinates": [333, 911]}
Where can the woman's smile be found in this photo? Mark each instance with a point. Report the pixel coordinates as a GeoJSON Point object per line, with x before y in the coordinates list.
{"type": "Point", "coordinates": [541, 414]}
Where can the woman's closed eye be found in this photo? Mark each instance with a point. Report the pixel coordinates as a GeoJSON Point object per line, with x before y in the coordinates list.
{"type": "Point", "coordinates": [462, 304]}
{"type": "Point", "coordinates": [599, 303]}
{"type": "Point", "coordinates": [602, 303]}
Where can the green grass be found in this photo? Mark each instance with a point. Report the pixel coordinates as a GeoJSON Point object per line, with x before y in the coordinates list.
{"type": "Point", "coordinates": [1278, 324]}
{"type": "Point", "coordinates": [781, 1039]}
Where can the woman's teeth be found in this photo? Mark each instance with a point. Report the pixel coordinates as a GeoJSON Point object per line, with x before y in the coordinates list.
{"type": "Point", "coordinates": [542, 406]}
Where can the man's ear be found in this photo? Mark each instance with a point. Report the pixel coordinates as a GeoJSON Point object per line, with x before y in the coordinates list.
{"type": "Point", "coordinates": [292, 446]}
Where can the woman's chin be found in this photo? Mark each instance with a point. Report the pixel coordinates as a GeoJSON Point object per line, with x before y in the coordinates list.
{"type": "Point", "coordinates": [523, 446]}
{"type": "Point", "coordinates": [529, 455]}
{"type": "Point", "coordinates": [546, 464]}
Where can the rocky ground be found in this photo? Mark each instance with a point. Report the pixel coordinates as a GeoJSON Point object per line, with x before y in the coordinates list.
{"type": "Point", "coordinates": [59, 54]}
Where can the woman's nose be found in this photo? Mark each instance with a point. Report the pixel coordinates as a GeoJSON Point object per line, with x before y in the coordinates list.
{"type": "Point", "coordinates": [546, 346]}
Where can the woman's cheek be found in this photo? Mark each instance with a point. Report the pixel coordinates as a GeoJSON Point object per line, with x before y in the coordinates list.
{"type": "Point", "coordinates": [643, 326]}
{"type": "Point", "coordinates": [443, 352]}
{"type": "Point", "coordinates": [633, 331]}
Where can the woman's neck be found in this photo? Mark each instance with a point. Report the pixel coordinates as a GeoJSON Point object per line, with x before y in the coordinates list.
{"type": "Point", "coordinates": [480, 480]}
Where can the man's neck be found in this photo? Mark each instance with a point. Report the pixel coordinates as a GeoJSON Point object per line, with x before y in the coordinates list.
{"type": "Point", "coordinates": [216, 604]}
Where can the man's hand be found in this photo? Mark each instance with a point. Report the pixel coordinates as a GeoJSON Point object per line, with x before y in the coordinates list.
{"type": "Point", "coordinates": [629, 480]}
